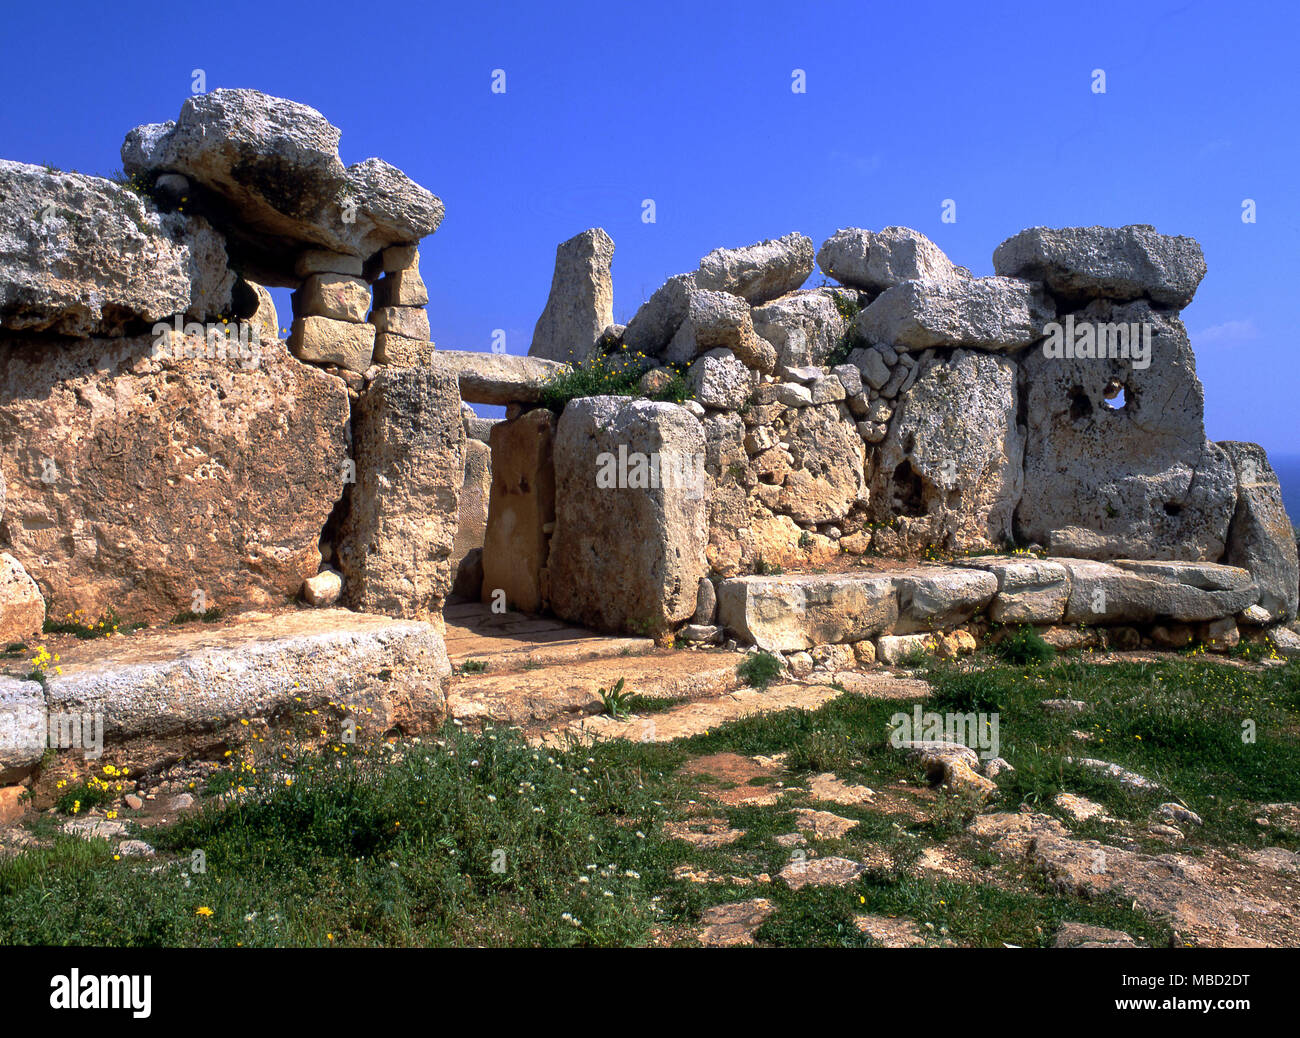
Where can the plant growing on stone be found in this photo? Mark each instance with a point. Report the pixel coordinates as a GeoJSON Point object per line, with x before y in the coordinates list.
{"type": "Point", "coordinates": [473, 667]}
{"type": "Point", "coordinates": [759, 669]}
{"type": "Point", "coordinates": [849, 310]}
{"type": "Point", "coordinates": [914, 657]}
{"type": "Point", "coordinates": [73, 623]}
{"type": "Point", "coordinates": [42, 663]}
{"type": "Point", "coordinates": [1024, 646]}
{"type": "Point", "coordinates": [614, 700]}
{"type": "Point", "coordinates": [616, 374]}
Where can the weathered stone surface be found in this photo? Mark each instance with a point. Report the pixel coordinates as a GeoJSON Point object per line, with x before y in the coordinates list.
{"type": "Point", "coordinates": [84, 256]}
{"type": "Point", "coordinates": [399, 257]}
{"type": "Point", "coordinates": [657, 319]}
{"type": "Point", "coordinates": [497, 378]}
{"type": "Point", "coordinates": [733, 925]}
{"type": "Point", "coordinates": [344, 344]}
{"type": "Point", "coordinates": [758, 273]}
{"type": "Point", "coordinates": [275, 162]}
{"type": "Point", "coordinates": [581, 303]}
{"type": "Point", "coordinates": [1081, 935]}
{"type": "Point", "coordinates": [871, 365]}
{"type": "Point", "coordinates": [719, 380]}
{"type": "Point", "coordinates": [135, 480]}
{"type": "Point", "coordinates": [1137, 481]}
{"type": "Point", "coordinates": [994, 313]}
{"type": "Point", "coordinates": [265, 321]}
{"type": "Point", "coordinates": [1030, 591]}
{"type": "Point", "coordinates": [876, 260]}
{"type": "Point", "coordinates": [22, 609]}
{"type": "Point", "coordinates": [1082, 263]}
{"type": "Point", "coordinates": [475, 492]}
{"type": "Point", "coordinates": [23, 727]}
{"type": "Point", "coordinates": [184, 688]}
{"type": "Point", "coordinates": [477, 428]}
{"type": "Point", "coordinates": [952, 458]}
{"type": "Point", "coordinates": [719, 320]}
{"type": "Point", "coordinates": [323, 589]}
{"type": "Point", "coordinates": [396, 543]}
{"type": "Point", "coordinates": [825, 475]}
{"type": "Point", "coordinates": [1136, 591]}
{"type": "Point", "coordinates": [397, 351]}
{"type": "Point", "coordinates": [803, 326]}
{"type": "Point", "coordinates": [628, 556]}
{"type": "Point", "coordinates": [336, 296]}
{"type": "Point", "coordinates": [790, 613]}
{"type": "Point", "coordinates": [706, 602]}
{"type": "Point", "coordinates": [939, 597]}
{"type": "Point", "coordinates": [896, 648]}
{"type": "Point", "coordinates": [1260, 537]}
{"type": "Point", "coordinates": [322, 261]}
{"type": "Point", "coordinates": [521, 512]}
{"type": "Point", "coordinates": [850, 378]}
{"type": "Point", "coordinates": [401, 288]}
{"type": "Point", "coordinates": [410, 322]}
{"type": "Point", "coordinates": [791, 394]}
{"type": "Point", "coordinates": [821, 872]}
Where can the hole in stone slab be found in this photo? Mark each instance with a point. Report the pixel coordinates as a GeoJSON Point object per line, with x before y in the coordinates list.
{"type": "Point", "coordinates": [1173, 508]}
{"type": "Point", "coordinates": [1080, 404]}
{"type": "Point", "coordinates": [243, 300]}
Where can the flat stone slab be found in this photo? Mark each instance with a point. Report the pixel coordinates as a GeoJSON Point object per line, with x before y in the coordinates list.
{"type": "Point", "coordinates": [1128, 591]}
{"type": "Point", "coordinates": [181, 681]}
{"type": "Point", "coordinates": [1030, 591]}
{"type": "Point", "coordinates": [690, 719]}
{"type": "Point", "coordinates": [821, 872]}
{"type": "Point", "coordinates": [497, 378]}
{"type": "Point", "coordinates": [509, 641]}
{"type": "Point", "coordinates": [732, 925]}
{"type": "Point", "coordinates": [551, 695]}
{"type": "Point", "coordinates": [794, 612]}
{"type": "Point", "coordinates": [790, 613]}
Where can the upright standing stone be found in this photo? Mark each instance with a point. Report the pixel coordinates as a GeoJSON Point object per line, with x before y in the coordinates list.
{"type": "Point", "coordinates": [521, 511]}
{"type": "Point", "coordinates": [1260, 538]}
{"type": "Point", "coordinates": [1129, 475]}
{"type": "Point", "coordinates": [136, 479]}
{"type": "Point", "coordinates": [471, 519]}
{"type": "Point", "coordinates": [22, 609]}
{"type": "Point", "coordinates": [631, 515]}
{"type": "Point", "coordinates": [396, 544]}
{"type": "Point", "coordinates": [581, 303]}
{"type": "Point", "coordinates": [953, 456]}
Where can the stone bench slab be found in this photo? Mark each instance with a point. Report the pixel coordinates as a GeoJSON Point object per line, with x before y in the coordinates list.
{"type": "Point", "coordinates": [497, 378]}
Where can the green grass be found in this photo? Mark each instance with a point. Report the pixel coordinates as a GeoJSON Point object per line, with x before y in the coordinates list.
{"type": "Point", "coordinates": [208, 616]}
{"type": "Point", "coordinates": [758, 669]}
{"type": "Point", "coordinates": [479, 839]}
{"type": "Point", "coordinates": [1178, 723]}
{"type": "Point", "coordinates": [1023, 646]}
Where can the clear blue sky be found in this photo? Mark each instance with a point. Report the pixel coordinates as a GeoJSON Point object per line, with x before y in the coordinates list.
{"type": "Point", "coordinates": [609, 103]}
